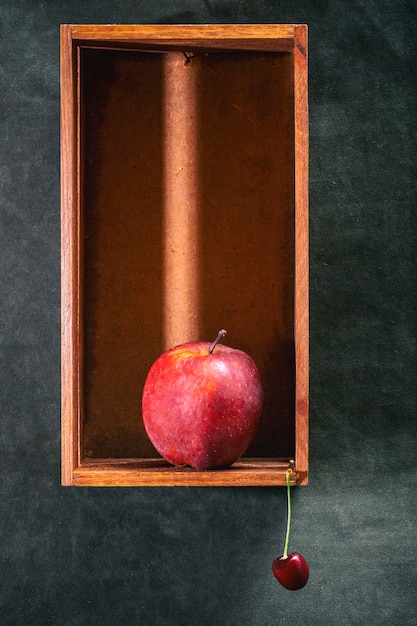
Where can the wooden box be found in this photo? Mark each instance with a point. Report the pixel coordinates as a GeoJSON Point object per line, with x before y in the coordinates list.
{"type": "Point", "coordinates": [184, 155]}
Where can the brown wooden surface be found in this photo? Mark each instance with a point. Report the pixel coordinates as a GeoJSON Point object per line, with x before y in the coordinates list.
{"type": "Point", "coordinates": [301, 251]}
{"type": "Point", "coordinates": [156, 472]}
{"type": "Point", "coordinates": [95, 403]}
{"type": "Point", "coordinates": [243, 37]}
{"type": "Point", "coordinates": [69, 261]}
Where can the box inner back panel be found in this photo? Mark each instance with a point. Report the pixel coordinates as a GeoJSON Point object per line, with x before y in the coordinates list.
{"type": "Point", "coordinates": [187, 189]}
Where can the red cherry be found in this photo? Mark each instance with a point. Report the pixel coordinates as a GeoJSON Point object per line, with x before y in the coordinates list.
{"type": "Point", "coordinates": [291, 571]}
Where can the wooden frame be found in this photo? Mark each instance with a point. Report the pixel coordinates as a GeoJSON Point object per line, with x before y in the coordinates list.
{"type": "Point", "coordinates": [232, 65]}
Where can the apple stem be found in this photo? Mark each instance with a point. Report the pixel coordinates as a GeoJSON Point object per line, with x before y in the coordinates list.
{"type": "Point", "coordinates": [219, 337]}
{"type": "Point", "coordinates": [287, 536]}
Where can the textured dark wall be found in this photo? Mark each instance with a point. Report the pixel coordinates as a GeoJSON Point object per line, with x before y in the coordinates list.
{"type": "Point", "coordinates": [186, 556]}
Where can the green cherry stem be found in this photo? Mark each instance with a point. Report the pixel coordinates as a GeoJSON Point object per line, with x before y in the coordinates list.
{"type": "Point", "coordinates": [290, 570]}
{"type": "Point", "coordinates": [219, 337]}
{"type": "Point", "coordinates": [287, 536]}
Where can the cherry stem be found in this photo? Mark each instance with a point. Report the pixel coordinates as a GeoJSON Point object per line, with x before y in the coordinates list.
{"type": "Point", "coordinates": [219, 337]}
{"type": "Point", "coordinates": [287, 536]}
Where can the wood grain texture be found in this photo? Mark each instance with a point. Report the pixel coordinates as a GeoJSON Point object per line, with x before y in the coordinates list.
{"type": "Point", "coordinates": [291, 39]}
{"type": "Point", "coordinates": [70, 329]}
{"type": "Point", "coordinates": [244, 37]}
{"type": "Point", "coordinates": [156, 472]}
{"type": "Point", "coordinates": [301, 251]}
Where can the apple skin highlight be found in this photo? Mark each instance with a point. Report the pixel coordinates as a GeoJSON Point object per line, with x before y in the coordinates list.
{"type": "Point", "coordinates": [201, 409]}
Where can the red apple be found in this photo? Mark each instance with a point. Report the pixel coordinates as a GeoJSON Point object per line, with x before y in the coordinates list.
{"type": "Point", "coordinates": [201, 404]}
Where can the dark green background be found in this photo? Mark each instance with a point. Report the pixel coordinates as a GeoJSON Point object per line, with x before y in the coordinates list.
{"type": "Point", "coordinates": [191, 556]}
